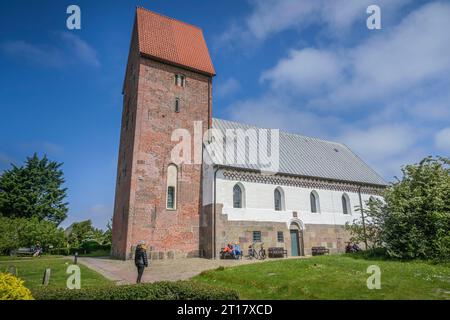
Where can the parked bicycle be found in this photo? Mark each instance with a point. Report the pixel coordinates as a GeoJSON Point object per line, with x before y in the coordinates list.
{"type": "Point", "coordinates": [252, 254]}
{"type": "Point", "coordinates": [256, 254]}
{"type": "Point", "coordinates": [262, 252]}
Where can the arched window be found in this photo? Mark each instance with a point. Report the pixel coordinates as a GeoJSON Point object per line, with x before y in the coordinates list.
{"type": "Point", "coordinates": [346, 208]}
{"type": "Point", "coordinates": [237, 196]}
{"type": "Point", "coordinates": [278, 196]}
{"type": "Point", "coordinates": [314, 200]}
{"type": "Point", "coordinates": [180, 80]}
{"type": "Point", "coordinates": [172, 179]}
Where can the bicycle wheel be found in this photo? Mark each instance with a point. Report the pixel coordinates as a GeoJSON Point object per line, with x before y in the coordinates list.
{"type": "Point", "coordinates": [262, 254]}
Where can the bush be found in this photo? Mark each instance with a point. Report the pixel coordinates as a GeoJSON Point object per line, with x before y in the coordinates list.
{"type": "Point", "coordinates": [180, 290]}
{"type": "Point", "coordinates": [92, 246]}
{"type": "Point", "coordinates": [12, 288]}
{"type": "Point", "coordinates": [413, 221]}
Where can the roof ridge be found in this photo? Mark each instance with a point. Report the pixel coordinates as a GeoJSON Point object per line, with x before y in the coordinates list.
{"type": "Point", "coordinates": [170, 18]}
{"type": "Point", "coordinates": [285, 132]}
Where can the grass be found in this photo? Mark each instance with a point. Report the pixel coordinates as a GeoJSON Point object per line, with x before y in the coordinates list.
{"type": "Point", "coordinates": [31, 270]}
{"type": "Point", "coordinates": [333, 277]}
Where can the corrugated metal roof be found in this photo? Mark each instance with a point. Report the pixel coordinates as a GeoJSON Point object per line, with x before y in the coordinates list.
{"type": "Point", "coordinates": [305, 156]}
{"type": "Point", "coordinates": [173, 41]}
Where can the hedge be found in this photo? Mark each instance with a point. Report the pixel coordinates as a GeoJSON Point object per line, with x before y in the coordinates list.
{"type": "Point", "coordinates": [80, 250]}
{"type": "Point", "coordinates": [180, 290]}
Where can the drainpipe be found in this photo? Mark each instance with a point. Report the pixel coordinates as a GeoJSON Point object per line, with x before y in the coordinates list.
{"type": "Point", "coordinates": [362, 216]}
{"type": "Point", "coordinates": [214, 214]}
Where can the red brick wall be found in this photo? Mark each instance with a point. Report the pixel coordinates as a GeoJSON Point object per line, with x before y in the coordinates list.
{"type": "Point", "coordinates": [148, 147]}
{"type": "Point", "coordinates": [125, 156]}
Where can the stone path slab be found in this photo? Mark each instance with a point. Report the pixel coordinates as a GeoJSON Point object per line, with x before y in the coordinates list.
{"type": "Point", "coordinates": [124, 272]}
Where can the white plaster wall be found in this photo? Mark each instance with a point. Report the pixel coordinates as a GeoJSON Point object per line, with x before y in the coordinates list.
{"type": "Point", "coordinates": [259, 203]}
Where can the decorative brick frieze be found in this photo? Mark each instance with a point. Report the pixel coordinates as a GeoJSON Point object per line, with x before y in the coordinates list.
{"type": "Point", "coordinates": [284, 180]}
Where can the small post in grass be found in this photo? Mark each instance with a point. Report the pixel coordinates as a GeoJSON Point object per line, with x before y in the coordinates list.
{"type": "Point", "coordinates": [75, 258]}
{"type": "Point", "coordinates": [12, 270]}
{"type": "Point", "coordinates": [46, 278]}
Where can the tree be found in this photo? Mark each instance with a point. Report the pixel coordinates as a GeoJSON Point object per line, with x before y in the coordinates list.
{"type": "Point", "coordinates": [23, 232]}
{"type": "Point", "coordinates": [82, 232]}
{"type": "Point", "coordinates": [414, 219]}
{"type": "Point", "coordinates": [34, 190]}
{"type": "Point", "coordinates": [107, 235]}
{"type": "Point", "coordinates": [374, 213]}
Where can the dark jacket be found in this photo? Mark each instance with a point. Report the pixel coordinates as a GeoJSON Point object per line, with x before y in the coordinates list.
{"type": "Point", "coordinates": [140, 257]}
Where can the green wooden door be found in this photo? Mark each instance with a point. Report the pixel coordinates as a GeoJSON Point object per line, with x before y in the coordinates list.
{"type": "Point", "coordinates": [294, 243]}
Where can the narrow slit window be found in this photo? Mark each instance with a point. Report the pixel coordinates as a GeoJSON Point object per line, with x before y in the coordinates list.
{"type": "Point", "coordinates": [170, 198]}
{"type": "Point", "coordinates": [177, 105]}
{"type": "Point", "coordinates": [172, 183]}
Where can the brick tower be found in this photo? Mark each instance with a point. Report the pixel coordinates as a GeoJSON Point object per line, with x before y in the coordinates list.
{"type": "Point", "coordinates": [168, 85]}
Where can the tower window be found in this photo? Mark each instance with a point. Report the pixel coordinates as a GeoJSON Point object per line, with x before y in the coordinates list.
{"type": "Point", "coordinates": [170, 198]}
{"type": "Point", "coordinates": [177, 105]}
{"type": "Point", "coordinates": [180, 80]}
{"type": "Point", "coordinates": [172, 182]}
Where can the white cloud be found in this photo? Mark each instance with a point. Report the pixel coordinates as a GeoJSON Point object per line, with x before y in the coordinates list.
{"type": "Point", "coordinates": [274, 111]}
{"type": "Point", "coordinates": [413, 52]}
{"type": "Point", "coordinates": [442, 140]}
{"type": "Point", "coordinates": [270, 17]}
{"type": "Point", "coordinates": [305, 70]}
{"type": "Point", "coordinates": [81, 49]}
{"type": "Point", "coordinates": [382, 68]}
{"type": "Point", "coordinates": [386, 147]}
{"type": "Point", "coordinates": [41, 54]}
{"type": "Point", "coordinates": [383, 96]}
{"type": "Point", "coordinates": [381, 141]}
{"type": "Point", "coordinates": [73, 50]}
{"type": "Point", "coordinates": [227, 88]}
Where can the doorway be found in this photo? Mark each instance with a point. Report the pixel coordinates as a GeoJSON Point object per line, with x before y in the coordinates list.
{"type": "Point", "coordinates": [295, 252]}
{"type": "Point", "coordinates": [296, 240]}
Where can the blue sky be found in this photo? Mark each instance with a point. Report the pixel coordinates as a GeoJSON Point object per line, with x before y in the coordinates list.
{"type": "Point", "coordinates": [309, 67]}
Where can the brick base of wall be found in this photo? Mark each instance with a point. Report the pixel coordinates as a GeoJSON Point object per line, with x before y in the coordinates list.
{"type": "Point", "coordinates": [332, 237]}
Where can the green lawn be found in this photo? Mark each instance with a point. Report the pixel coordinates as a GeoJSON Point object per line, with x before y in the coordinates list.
{"type": "Point", "coordinates": [333, 277]}
{"type": "Point", "coordinates": [31, 270]}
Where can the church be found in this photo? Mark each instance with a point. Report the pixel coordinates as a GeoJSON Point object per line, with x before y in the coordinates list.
{"type": "Point", "coordinates": [229, 189]}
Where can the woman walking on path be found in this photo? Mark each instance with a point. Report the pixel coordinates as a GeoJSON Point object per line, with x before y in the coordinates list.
{"type": "Point", "coordinates": [140, 259]}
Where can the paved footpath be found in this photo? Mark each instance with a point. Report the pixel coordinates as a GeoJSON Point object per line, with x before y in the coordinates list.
{"type": "Point", "coordinates": [124, 272]}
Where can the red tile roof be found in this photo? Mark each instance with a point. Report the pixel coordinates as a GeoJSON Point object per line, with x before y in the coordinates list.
{"type": "Point", "coordinates": [172, 41]}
